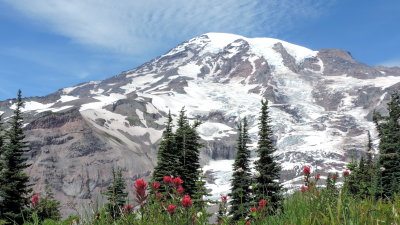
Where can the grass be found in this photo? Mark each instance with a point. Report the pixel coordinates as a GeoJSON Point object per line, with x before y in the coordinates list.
{"type": "Point", "coordinates": [313, 207]}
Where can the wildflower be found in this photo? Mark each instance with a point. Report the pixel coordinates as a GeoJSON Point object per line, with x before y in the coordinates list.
{"type": "Point", "coordinates": [158, 196]}
{"type": "Point", "coordinates": [156, 185]}
{"type": "Point", "coordinates": [306, 170]}
{"type": "Point", "coordinates": [180, 190]}
{"type": "Point", "coordinates": [382, 168]}
{"type": "Point", "coordinates": [334, 177]}
{"type": "Point", "coordinates": [257, 174]}
{"type": "Point", "coordinates": [224, 198]}
{"type": "Point", "coordinates": [186, 201]}
{"type": "Point", "coordinates": [248, 222]}
{"type": "Point", "coordinates": [171, 209]}
{"type": "Point", "coordinates": [167, 180]}
{"type": "Point", "coordinates": [346, 173]}
{"type": "Point", "coordinates": [199, 214]}
{"type": "Point", "coordinates": [128, 208]}
{"type": "Point", "coordinates": [253, 209]}
{"type": "Point", "coordinates": [35, 200]}
{"type": "Point", "coordinates": [177, 181]}
{"type": "Point", "coordinates": [317, 177]}
{"type": "Point", "coordinates": [219, 221]}
{"type": "Point", "coordinates": [303, 188]}
{"type": "Point", "coordinates": [140, 186]}
{"type": "Point", "coordinates": [262, 203]}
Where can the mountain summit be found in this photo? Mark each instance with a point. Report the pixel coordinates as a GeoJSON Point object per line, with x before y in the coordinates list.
{"type": "Point", "coordinates": [320, 103]}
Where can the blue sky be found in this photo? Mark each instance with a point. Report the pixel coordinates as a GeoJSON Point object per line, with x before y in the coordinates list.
{"type": "Point", "coordinates": [46, 45]}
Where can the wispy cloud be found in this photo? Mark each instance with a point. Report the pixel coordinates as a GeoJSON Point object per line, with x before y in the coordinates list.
{"type": "Point", "coordinates": [140, 26]}
{"type": "Point", "coordinates": [391, 62]}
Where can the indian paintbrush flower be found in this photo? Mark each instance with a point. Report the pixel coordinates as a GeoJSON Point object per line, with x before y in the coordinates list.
{"type": "Point", "coordinates": [306, 170]}
{"type": "Point", "coordinates": [167, 180]}
{"type": "Point", "coordinates": [186, 201]}
{"type": "Point", "coordinates": [140, 187]}
{"type": "Point", "coordinates": [35, 200]}
{"type": "Point", "coordinates": [171, 209]}
{"type": "Point", "coordinates": [177, 181]}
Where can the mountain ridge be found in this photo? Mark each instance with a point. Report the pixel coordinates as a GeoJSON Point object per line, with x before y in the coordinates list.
{"type": "Point", "coordinates": [320, 102]}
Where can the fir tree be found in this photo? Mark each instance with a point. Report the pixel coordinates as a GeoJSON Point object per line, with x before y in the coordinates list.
{"type": "Point", "coordinates": [201, 191]}
{"type": "Point", "coordinates": [241, 177]}
{"type": "Point", "coordinates": [1, 159]}
{"type": "Point", "coordinates": [389, 147]}
{"type": "Point", "coordinates": [267, 184]}
{"type": "Point", "coordinates": [116, 194]}
{"type": "Point", "coordinates": [166, 155]}
{"type": "Point", "coordinates": [188, 148]}
{"type": "Point", "coordinates": [15, 188]}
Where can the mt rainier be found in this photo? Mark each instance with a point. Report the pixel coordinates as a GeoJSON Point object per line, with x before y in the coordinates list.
{"type": "Point", "coordinates": [321, 104]}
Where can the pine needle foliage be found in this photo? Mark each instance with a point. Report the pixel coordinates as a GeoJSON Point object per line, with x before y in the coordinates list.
{"type": "Point", "coordinates": [267, 185]}
{"type": "Point", "coordinates": [15, 188]}
{"type": "Point", "coordinates": [241, 177]}
{"type": "Point", "coordinates": [389, 148]}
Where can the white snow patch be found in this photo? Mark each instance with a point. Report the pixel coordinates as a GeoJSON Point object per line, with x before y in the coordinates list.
{"type": "Point", "coordinates": [150, 108]}
{"type": "Point", "coordinates": [67, 98]}
{"type": "Point", "coordinates": [103, 100]}
{"type": "Point", "coordinates": [211, 131]}
{"type": "Point", "coordinates": [33, 106]}
{"type": "Point", "coordinates": [141, 117]}
{"type": "Point", "coordinates": [97, 92]}
{"type": "Point", "coordinates": [189, 70]}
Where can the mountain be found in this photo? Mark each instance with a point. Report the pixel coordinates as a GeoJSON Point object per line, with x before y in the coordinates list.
{"type": "Point", "coordinates": [321, 103]}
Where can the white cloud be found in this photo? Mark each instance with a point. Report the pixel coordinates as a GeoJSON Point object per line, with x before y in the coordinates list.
{"type": "Point", "coordinates": [141, 26]}
{"type": "Point", "coordinates": [391, 62]}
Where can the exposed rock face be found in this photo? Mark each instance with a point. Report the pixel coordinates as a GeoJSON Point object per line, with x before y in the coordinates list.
{"type": "Point", "coordinates": [320, 103]}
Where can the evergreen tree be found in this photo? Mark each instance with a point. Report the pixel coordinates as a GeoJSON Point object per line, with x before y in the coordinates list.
{"type": "Point", "coordinates": [1, 159]}
{"type": "Point", "coordinates": [201, 191]}
{"type": "Point", "coordinates": [241, 177]}
{"type": "Point", "coordinates": [267, 184]}
{"type": "Point", "coordinates": [116, 194]}
{"type": "Point", "coordinates": [15, 188]}
{"type": "Point", "coordinates": [166, 155]}
{"type": "Point", "coordinates": [188, 149]}
{"type": "Point", "coordinates": [389, 147]}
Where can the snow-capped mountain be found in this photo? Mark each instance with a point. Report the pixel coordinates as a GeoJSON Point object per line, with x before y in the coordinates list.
{"type": "Point", "coordinates": [321, 103]}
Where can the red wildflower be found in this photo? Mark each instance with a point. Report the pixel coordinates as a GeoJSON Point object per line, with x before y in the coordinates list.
{"type": "Point", "coordinates": [186, 201]}
{"type": "Point", "coordinates": [334, 177]}
{"type": "Point", "coordinates": [158, 196]}
{"type": "Point", "coordinates": [140, 186]}
{"type": "Point", "coordinates": [180, 190]}
{"type": "Point", "coordinates": [224, 198]}
{"type": "Point", "coordinates": [303, 188]}
{"type": "Point", "coordinates": [306, 170]}
{"type": "Point", "coordinates": [253, 209]}
{"type": "Point", "coordinates": [156, 185]}
{"type": "Point", "coordinates": [128, 208]}
{"type": "Point", "coordinates": [219, 221]}
{"type": "Point", "coordinates": [171, 209]}
{"type": "Point", "coordinates": [248, 222]}
{"type": "Point", "coordinates": [346, 173]}
{"type": "Point", "coordinates": [167, 180]}
{"type": "Point", "coordinates": [177, 181]}
{"type": "Point", "coordinates": [317, 177]}
{"type": "Point", "coordinates": [262, 203]}
{"type": "Point", "coordinates": [35, 200]}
